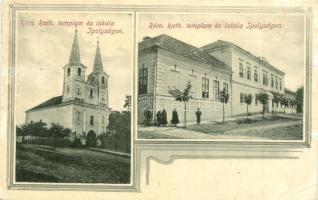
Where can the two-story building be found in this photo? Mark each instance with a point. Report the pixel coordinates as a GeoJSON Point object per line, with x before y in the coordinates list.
{"type": "Point", "coordinates": [165, 63]}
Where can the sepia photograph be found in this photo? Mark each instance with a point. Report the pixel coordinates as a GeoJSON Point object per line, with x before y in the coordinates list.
{"type": "Point", "coordinates": [72, 107]}
{"type": "Point", "coordinates": [235, 76]}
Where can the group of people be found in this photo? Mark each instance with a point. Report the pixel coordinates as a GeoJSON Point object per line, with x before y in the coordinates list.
{"type": "Point", "coordinates": [161, 117]}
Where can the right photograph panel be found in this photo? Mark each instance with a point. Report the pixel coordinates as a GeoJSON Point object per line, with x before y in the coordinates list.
{"type": "Point", "coordinates": [221, 76]}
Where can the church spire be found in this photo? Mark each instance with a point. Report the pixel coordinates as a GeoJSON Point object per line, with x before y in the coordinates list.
{"type": "Point", "coordinates": [98, 65]}
{"type": "Point", "coordinates": [75, 57]}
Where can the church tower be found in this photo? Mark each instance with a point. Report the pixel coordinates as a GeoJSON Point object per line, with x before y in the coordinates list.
{"type": "Point", "coordinates": [97, 82]}
{"type": "Point", "coordinates": [74, 75]}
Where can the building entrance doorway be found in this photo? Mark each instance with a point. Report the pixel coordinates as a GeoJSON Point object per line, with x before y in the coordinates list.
{"type": "Point", "coordinates": [91, 139]}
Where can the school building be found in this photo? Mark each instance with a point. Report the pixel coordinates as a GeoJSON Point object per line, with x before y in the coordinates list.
{"type": "Point", "coordinates": [165, 63]}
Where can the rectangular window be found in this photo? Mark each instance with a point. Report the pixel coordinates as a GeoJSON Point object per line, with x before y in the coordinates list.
{"type": "Point", "coordinates": [103, 119]}
{"type": "Point", "coordinates": [248, 72]}
{"type": "Point", "coordinates": [241, 72]}
{"type": "Point", "coordinates": [143, 80]}
{"type": "Point", "coordinates": [91, 120]}
{"type": "Point", "coordinates": [276, 83]}
{"type": "Point", "coordinates": [226, 87]}
{"type": "Point", "coordinates": [78, 116]}
{"type": "Point", "coordinates": [241, 97]}
{"type": "Point", "coordinates": [216, 89]}
{"type": "Point", "coordinates": [265, 78]}
{"type": "Point", "coordinates": [256, 100]}
{"type": "Point", "coordinates": [255, 75]}
{"type": "Point", "coordinates": [78, 91]}
{"type": "Point", "coordinates": [205, 87]}
{"type": "Point", "coordinates": [272, 81]}
{"type": "Point", "coordinates": [280, 84]}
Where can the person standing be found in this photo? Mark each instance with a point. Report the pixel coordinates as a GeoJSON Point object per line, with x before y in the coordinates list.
{"type": "Point", "coordinates": [198, 114]}
{"type": "Point", "coordinates": [175, 118]}
{"type": "Point", "coordinates": [164, 120]}
{"type": "Point", "coordinates": [147, 115]}
{"type": "Point", "coordinates": [158, 116]}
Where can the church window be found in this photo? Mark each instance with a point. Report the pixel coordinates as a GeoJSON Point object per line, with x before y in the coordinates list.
{"type": "Point", "coordinates": [68, 71]}
{"type": "Point", "coordinates": [241, 97]}
{"type": "Point", "coordinates": [216, 89]}
{"type": "Point", "coordinates": [103, 79]}
{"type": "Point", "coordinates": [143, 80]}
{"type": "Point", "coordinates": [205, 87]}
{"type": "Point", "coordinates": [79, 71]}
{"type": "Point", "coordinates": [91, 93]}
{"type": "Point", "coordinates": [91, 120]}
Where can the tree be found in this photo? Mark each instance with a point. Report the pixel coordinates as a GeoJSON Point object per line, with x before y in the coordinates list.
{"type": "Point", "coordinates": [263, 99]}
{"type": "Point", "coordinates": [276, 99]}
{"type": "Point", "coordinates": [127, 103]}
{"type": "Point", "coordinates": [248, 100]}
{"type": "Point", "coordinates": [119, 130]}
{"type": "Point", "coordinates": [292, 103]}
{"type": "Point", "coordinates": [284, 102]}
{"type": "Point", "coordinates": [182, 96]}
{"type": "Point", "coordinates": [299, 99]}
{"type": "Point", "coordinates": [224, 97]}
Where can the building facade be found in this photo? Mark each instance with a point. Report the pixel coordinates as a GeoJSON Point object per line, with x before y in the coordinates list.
{"type": "Point", "coordinates": [83, 106]}
{"type": "Point", "coordinates": [165, 63]}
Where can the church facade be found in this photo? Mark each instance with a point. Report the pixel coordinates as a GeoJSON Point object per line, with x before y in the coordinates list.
{"type": "Point", "coordinates": [83, 106]}
{"type": "Point", "coordinates": [165, 63]}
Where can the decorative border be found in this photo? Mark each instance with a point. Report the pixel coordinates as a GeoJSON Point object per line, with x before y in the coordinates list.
{"type": "Point", "coordinates": [307, 11]}
{"type": "Point", "coordinates": [170, 150]}
{"type": "Point", "coordinates": [133, 186]}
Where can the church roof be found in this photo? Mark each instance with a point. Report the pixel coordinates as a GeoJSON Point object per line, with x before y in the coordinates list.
{"type": "Point", "coordinates": [224, 44]}
{"type": "Point", "coordinates": [75, 57]}
{"type": "Point", "coordinates": [51, 102]}
{"type": "Point", "coordinates": [184, 49]}
{"type": "Point", "coordinates": [98, 64]}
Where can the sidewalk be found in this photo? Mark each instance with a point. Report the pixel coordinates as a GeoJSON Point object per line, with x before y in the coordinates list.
{"type": "Point", "coordinates": [240, 133]}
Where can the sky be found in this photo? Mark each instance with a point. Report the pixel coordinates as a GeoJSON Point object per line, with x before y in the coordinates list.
{"type": "Point", "coordinates": [41, 53]}
{"type": "Point", "coordinates": [284, 48]}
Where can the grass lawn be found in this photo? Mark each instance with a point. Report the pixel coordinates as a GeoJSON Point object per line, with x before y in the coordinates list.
{"type": "Point", "coordinates": [40, 163]}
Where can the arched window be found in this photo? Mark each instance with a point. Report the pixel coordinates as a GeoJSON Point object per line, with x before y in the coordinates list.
{"type": "Point", "coordinates": [91, 93]}
{"type": "Point", "coordinates": [68, 71]}
{"type": "Point", "coordinates": [79, 71]}
{"type": "Point", "coordinates": [103, 79]}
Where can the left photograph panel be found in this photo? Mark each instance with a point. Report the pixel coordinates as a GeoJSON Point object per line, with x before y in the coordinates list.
{"type": "Point", "coordinates": [72, 97]}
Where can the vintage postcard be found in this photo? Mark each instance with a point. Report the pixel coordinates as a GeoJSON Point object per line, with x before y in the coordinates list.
{"type": "Point", "coordinates": [222, 76]}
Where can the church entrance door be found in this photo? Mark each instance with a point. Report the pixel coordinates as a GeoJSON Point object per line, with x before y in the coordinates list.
{"type": "Point", "coordinates": [91, 139]}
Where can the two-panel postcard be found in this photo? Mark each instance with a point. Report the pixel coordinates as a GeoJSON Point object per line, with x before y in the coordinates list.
{"type": "Point", "coordinates": [158, 101]}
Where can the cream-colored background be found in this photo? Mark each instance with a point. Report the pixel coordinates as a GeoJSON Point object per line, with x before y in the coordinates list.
{"type": "Point", "coordinates": [220, 179]}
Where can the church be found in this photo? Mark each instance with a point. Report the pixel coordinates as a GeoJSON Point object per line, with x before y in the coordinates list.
{"type": "Point", "coordinates": [83, 106]}
{"type": "Point", "coordinates": [166, 63]}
